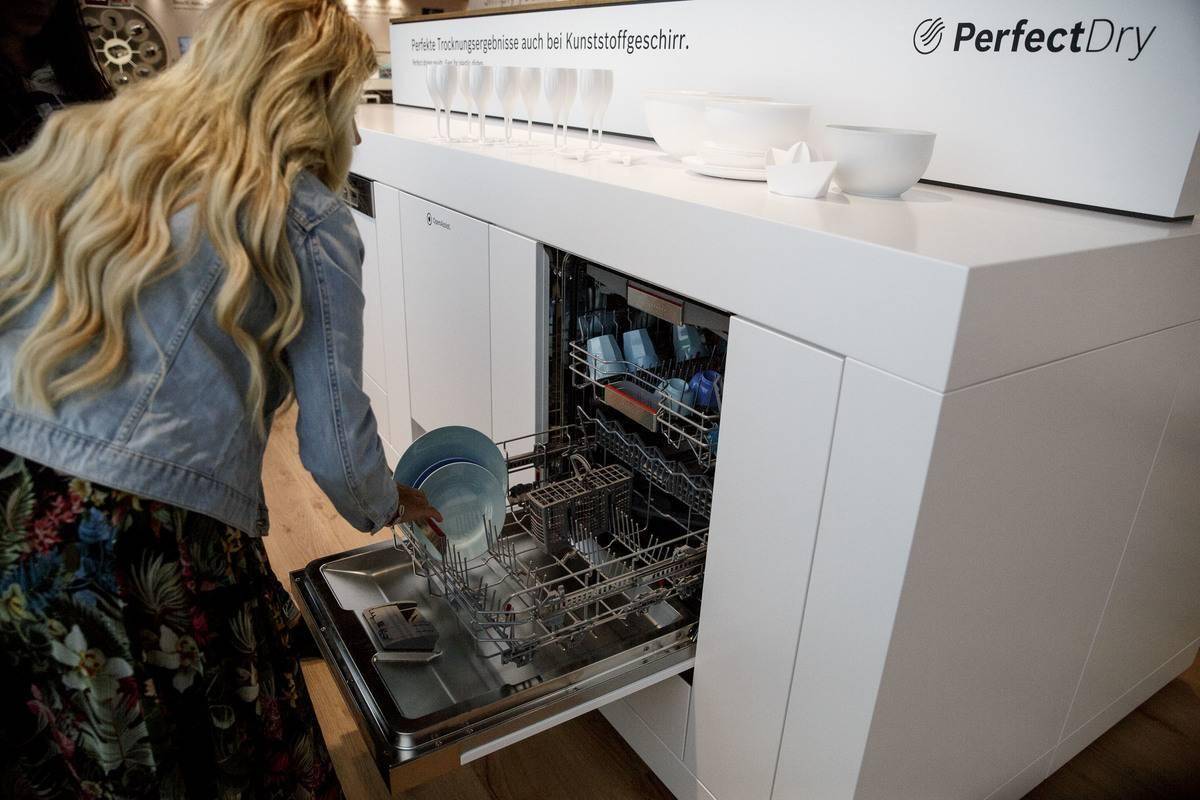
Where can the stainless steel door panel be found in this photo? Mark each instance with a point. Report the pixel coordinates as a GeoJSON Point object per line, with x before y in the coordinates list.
{"type": "Point", "coordinates": [420, 719]}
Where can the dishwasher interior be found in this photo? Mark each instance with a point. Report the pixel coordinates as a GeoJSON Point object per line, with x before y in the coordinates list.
{"type": "Point", "coordinates": [594, 580]}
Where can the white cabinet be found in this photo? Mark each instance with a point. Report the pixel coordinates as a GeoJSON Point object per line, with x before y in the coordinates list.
{"type": "Point", "coordinates": [776, 426]}
{"type": "Point", "coordinates": [1151, 616]}
{"type": "Point", "coordinates": [518, 335]}
{"type": "Point", "coordinates": [373, 354]}
{"type": "Point", "coordinates": [447, 313]}
{"type": "Point", "coordinates": [967, 549]}
{"type": "Point", "coordinates": [392, 319]}
{"type": "Point", "coordinates": [664, 708]}
{"type": "Point", "coordinates": [463, 310]}
{"type": "Point", "coordinates": [880, 456]}
{"type": "Point", "coordinates": [374, 361]}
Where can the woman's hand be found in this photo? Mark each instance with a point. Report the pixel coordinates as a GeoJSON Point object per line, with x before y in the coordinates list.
{"type": "Point", "coordinates": [416, 507]}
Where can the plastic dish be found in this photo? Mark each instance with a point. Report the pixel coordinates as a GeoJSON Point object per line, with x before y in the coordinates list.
{"type": "Point", "coordinates": [466, 494]}
{"type": "Point", "coordinates": [639, 349]}
{"type": "Point", "coordinates": [688, 342]}
{"type": "Point", "coordinates": [701, 167]}
{"type": "Point", "coordinates": [604, 357]}
{"type": "Point", "coordinates": [447, 445]}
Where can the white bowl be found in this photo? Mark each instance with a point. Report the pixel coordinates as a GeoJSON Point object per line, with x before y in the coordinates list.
{"type": "Point", "coordinates": [715, 154]}
{"type": "Point", "coordinates": [676, 118]}
{"type": "Point", "coordinates": [755, 125]}
{"type": "Point", "coordinates": [877, 162]}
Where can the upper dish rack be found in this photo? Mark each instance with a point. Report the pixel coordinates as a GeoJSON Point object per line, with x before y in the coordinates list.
{"type": "Point", "coordinates": [694, 491]}
{"type": "Point", "coordinates": [635, 392]}
{"type": "Point", "coordinates": [516, 599]}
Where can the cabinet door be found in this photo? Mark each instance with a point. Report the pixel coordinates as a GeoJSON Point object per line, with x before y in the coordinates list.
{"type": "Point", "coordinates": [446, 306]}
{"type": "Point", "coordinates": [1152, 613]}
{"type": "Point", "coordinates": [518, 336]}
{"type": "Point", "coordinates": [392, 319]}
{"type": "Point", "coordinates": [373, 353]}
{"type": "Point", "coordinates": [776, 427]}
{"type": "Point", "coordinates": [664, 708]}
{"type": "Point", "coordinates": [374, 360]}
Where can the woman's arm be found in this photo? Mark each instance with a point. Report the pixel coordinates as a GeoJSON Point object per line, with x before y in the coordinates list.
{"type": "Point", "coordinates": [339, 443]}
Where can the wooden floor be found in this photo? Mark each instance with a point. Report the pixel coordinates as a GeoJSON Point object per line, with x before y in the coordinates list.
{"type": "Point", "coordinates": [1153, 754]}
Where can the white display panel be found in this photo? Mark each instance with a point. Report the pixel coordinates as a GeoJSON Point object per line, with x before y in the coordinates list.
{"type": "Point", "coordinates": [1115, 126]}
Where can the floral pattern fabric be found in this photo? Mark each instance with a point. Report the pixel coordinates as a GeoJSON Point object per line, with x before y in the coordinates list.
{"type": "Point", "coordinates": [144, 652]}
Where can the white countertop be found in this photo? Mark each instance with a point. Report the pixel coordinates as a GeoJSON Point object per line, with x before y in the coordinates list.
{"type": "Point", "coordinates": [945, 287]}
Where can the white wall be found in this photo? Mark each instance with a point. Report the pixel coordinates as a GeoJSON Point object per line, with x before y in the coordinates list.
{"type": "Point", "coordinates": [1106, 128]}
{"type": "Point", "coordinates": [181, 17]}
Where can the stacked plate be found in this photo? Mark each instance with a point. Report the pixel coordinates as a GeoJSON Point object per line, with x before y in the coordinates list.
{"type": "Point", "coordinates": [465, 477]}
{"type": "Point", "coordinates": [740, 135]}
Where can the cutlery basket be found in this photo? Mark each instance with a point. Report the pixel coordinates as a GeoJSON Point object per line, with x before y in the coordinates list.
{"type": "Point", "coordinates": [588, 501]}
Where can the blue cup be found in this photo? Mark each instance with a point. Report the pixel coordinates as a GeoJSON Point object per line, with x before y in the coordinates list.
{"type": "Point", "coordinates": [712, 437]}
{"type": "Point", "coordinates": [677, 396]}
{"type": "Point", "coordinates": [688, 342]}
{"type": "Point", "coordinates": [705, 385]}
{"type": "Point", "coordinates": [639, 349]}
{"type": "Point", "coordinates": [604, 357]}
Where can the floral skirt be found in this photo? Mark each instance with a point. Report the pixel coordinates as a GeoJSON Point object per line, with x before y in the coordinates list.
{"type": "Point", "coordinates": [144, 652]}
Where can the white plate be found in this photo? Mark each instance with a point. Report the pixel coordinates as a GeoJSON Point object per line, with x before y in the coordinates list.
{"type": "Point", "coordinates": [466, 494]}
{"type": "Point", "coordinates": [698, 165]}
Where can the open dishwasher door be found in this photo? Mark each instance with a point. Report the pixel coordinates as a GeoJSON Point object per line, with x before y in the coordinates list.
{"type": "Point", "coordinates": [424, 719]}
{"type": "Point", "coordinates": [591, 591]}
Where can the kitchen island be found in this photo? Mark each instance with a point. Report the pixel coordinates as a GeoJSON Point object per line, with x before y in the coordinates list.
{"type": "Point", "coordinates": [953, 526]}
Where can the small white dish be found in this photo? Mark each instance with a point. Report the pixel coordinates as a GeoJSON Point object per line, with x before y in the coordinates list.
{"type": "Point", "coordinates": [801, 178]}
{"type": "Point", "coordinates": [701, 167]}
{"type": "Point", "coordinates": [720, 156]}
{"type": "Point", "coordinates": [878, 162]}
{"type": "Point", "coordinates": [800, 151]}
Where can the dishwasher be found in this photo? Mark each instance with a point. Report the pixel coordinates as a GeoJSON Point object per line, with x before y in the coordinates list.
{"type": "Point", "coordinates": [591, 589]}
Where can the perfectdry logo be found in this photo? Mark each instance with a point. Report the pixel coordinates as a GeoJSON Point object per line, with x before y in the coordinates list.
{"type": "Point", "coordinates": [1099, 35]}
{"type": "Point", "coordinates": [928, 35]}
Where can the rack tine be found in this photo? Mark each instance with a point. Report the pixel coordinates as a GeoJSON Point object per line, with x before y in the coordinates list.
{"type": "Point", "coordinates": [489, 533]}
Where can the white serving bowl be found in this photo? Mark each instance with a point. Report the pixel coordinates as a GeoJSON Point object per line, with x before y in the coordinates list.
{"type": "Point", "coordinates": [715, 154]}
{"type": "Point", "coordinates": [676, 118]}
{"type": "Point", "coordinates": [877, 162]}
{"type": "Point", "coordinates": [755, 125]}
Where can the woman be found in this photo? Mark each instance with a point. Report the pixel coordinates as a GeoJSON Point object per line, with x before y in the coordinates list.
{"type": "Point", "coordinates": [45, 63]}
{"type": "Point", "coordinates": [174, 266]}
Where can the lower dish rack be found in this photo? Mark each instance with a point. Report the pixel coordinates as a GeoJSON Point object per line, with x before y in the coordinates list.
{"type": "Point", "coordinates": [603, 566]}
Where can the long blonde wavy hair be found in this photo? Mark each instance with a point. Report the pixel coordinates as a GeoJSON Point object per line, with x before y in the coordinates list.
{"type": "Point", "coordinates": [267, 89]}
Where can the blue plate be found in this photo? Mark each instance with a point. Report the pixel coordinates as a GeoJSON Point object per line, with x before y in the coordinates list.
{"type": "Point", "coordinates": [466, 494]}
{"type": "Point", "coordinates": [450, 445]}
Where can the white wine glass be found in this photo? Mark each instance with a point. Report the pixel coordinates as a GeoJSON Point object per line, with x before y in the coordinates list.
{"type": "Point", "coordinates": [531, 88]}
{"type": "Point", "coordinates": [479, 86]}
{"type": "Point", "coordinates": [508, 86]}
{"type": "Point", "coordinates": [435, 94]}
{"type": "Point", "coordinates": [560, 85]}
{"type": "Point", "coordinates": [447, 84]}
{"type": "Point", "coordinates": [464, 88]}
{"type": "Point", "coordinates": [555, 95]}
{"type": "Point", "coordinates": [595, 93]}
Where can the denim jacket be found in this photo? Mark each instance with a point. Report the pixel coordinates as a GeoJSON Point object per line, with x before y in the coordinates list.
{"type": "Point", "coordinates": [174, 426]}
